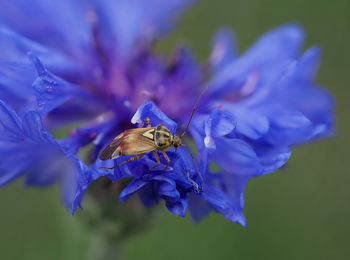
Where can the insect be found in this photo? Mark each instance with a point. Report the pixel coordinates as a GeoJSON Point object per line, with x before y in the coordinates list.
{"type": "Point", "coordinates": [140, 141]}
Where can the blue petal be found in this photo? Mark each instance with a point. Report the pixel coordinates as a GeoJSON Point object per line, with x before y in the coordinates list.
{"type": "Point", "coordinates": [179, 207]}
{"type": "Point", "coordinates": [224, 49]}
{"type": "Point", "coordinates": [236, 156]}
{"type": "Point", "coordinates": [273, 159]}
{"type": "Point", "coordinates": [83, 181]}
{"type": "Point", "coordinates": [10, 124]}
{"type": "Point", "coordinates": [47, 167]}
{"type": "Point", "coordinates": [272, 50]}
{"type": "Point", "coordinates": [26, 149]}
{"type": "Point", "coordinates": [222, 123]}
{"type": "Point", "coordinates": [15, 84]}
{"type": "Point", "coordinates": [150, 110]}
{"type": "Point", "coordinates": [196, 129]}
{"type": "Point", "coordinates": [96, 131]}
{"type": "Point", "coordinates": [250, 123]}
{"type": "Point", "coordinates": [188, 176]}
{"type": "Point", "coordinates": [51, 91]}
{"type": "Point", "coordinates": [32, 126]}
{"type": "Point", "coordinates": [219, 123]}
{"type": "Point", "coordinates": [299, 93]}
{"type": "Point", "coordinates": [223, 204]}
{"type": "Point", "coordinates": [283, 42]}
{"type": "Point", "coordinates": [138, 168]}
{"type": "Point", "coordinates": [234, 186]}
{"type": "Point", "coordinates": [290, 119]}
{"type": "Point", "coordinates": [198, 207]}
{"type": "Point", "coordinates": [289, 128]}
{"type": "Point", "coordinates": [148, 20]}
{"type": "Point", "coordinates": [309, 64]}
{"type": "Point", "coordinates": [14, 48]}
{"type": "Point", "coordinates": [40, 19]}
{"type": "Point", "coordinates": [156, 186]}
{"type": "Point", "coordinates": [133, 186]}
{"type": "Point", "coordinates": [167, 188]}
{"type": "Point", "coordinates": [83, 178]}
{"type": "Point", "coordinates": [149, 196]}
{"type": "Point", "coordinates": [69, 182]}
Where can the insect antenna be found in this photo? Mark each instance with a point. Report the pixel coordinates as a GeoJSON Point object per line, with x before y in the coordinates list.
{"type": "Point", "coordinates": [189, 151]}
{"type": "Point", "coordinates": [194, 109]}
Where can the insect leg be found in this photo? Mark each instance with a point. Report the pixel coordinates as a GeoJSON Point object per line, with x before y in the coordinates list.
{"type": "Point", "coordinates": [158, 162]}
{"type": "Point", "coordinates": [147, 121]}
{"type": "Point", "coordinates": [166, 158]}
{"type": "Point", "coordinates": [131, 159]}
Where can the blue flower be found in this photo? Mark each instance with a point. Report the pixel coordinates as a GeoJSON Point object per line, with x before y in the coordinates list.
{"type": "Point", "coordinates": [102, 77]}
{"type": "Point", "coordinates": [27, 149]}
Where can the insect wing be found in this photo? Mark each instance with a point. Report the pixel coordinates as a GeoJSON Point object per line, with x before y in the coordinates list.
{"type": "Point", "coordinates": [130, 142]}
{"type": "Point", "coordinates": [107, 153]}
{"type": "Point", "coordinates": [135, 143]}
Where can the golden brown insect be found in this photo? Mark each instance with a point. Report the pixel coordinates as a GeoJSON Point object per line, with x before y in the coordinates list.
{"type": "Point", "coordinates": [139, 141]}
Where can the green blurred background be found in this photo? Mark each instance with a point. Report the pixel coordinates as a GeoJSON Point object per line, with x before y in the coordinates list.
{"type": "Point", "coordinates": [300, 213]}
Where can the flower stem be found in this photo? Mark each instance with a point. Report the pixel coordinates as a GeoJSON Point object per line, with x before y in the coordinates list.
{"type": "Point", "coordinates": [106, 248]}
